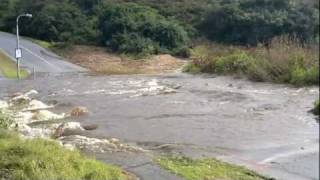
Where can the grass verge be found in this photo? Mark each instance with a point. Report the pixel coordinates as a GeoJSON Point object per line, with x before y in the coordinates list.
{"type": "Point", "coordinates": [206, 169]}
{"type": "Point", "coordinates": [41, 159]}
{"type": "Point", "coordinates": [44, 44]}
{"type": "Point", "coordinates": [8, 67]}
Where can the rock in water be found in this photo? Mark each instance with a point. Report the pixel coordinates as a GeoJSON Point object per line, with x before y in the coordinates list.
{"type": "Point", "coordinates": [45, 115]}
{"type": "Point", "coordinates": [79, 111]}
{"type": "Point", "coordinates": [90, 127]}
{"type": "Point", "coordinates": [3, 104]}
{"type": "Point", "coordinates": [69, 126]}
{"type": "Point", "coordinates": [36, 105]}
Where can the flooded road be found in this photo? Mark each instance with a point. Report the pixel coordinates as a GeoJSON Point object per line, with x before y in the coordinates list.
{"type": "Point", "coordinates": [264, 126]}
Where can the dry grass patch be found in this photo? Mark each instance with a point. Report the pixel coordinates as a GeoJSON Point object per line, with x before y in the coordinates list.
{"type": "Point", "coordinates": [8, 67]}
{"type": "Point", "coordinates": [284, 60]}
{"type": "Point", "coordinates": [98, 60]}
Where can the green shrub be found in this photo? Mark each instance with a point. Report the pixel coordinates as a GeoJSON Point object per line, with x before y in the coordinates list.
{"type": "Point", "coordinates": [183, 52]}
{"type": "Point", "coordinates": [191, 68]}
{"type": "Point", "coordinates": [5, 120]}
{"type": "Point", "coordinates": [133, 43]}
{"type": "Point", "coordinates": [301, 73]}
{"type": "Point", "coordinates": [41, 159]}
{"type": "Point", "coordinates": [235, 63]}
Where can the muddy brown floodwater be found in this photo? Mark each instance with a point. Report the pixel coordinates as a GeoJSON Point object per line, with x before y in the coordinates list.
{"type": "Point", "coordinates": [263, 126]}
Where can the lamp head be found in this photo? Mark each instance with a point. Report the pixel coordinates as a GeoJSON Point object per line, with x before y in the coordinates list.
{"type": "Point", "coordinates": [28, 15]}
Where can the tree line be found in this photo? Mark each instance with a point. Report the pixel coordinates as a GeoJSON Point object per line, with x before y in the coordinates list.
{"type": "Point", "coordinates": [162, 26]}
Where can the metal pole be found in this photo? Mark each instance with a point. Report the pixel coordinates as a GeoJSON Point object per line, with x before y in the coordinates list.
{"type": "Point", "coordinates": [18, 46]}
{"type": "Point", "coordinates": [34, 73]}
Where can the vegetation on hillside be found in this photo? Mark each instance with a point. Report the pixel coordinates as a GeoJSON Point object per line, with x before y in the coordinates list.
{"type": "Point", "coordinates": [132, 28]}
{"type": "Point", "coordinates": [284, 61]}
{"type": "Point", "coordinates": [144, 27]}
{"type": "Point", "coordinates": [150, 26]}
{"type": "Point", "coordinates": [250, 22]}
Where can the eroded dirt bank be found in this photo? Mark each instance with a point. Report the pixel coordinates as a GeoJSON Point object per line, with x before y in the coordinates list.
{"type": "Point", "coordinates": [98, 60]}
{"type": "Point", "coordinates": [263, 126]}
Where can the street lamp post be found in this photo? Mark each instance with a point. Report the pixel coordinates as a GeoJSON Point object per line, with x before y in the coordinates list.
{"type": "Point", "coordinates": [18, 50]}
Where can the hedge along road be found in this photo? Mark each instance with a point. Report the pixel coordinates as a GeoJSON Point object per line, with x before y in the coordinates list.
{"type": "Point", "coordinates": [34, 56]}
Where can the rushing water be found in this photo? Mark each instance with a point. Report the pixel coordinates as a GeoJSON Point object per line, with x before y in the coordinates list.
{"type": "Point", "coordinates": [252, 120]}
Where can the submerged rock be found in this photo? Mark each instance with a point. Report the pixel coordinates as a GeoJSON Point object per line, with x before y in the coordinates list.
{"type": "Point", "coordinates": [3, 104]}
{"type": "Point", "coordinates": [63, 128]}
{"type": "Point", "coordinates": [90, 127]}
{"type": "Point", "coordinates": [36, 105]}
{"type": "Point", "coordinates": [79, 111]}
{"type": "Point", "coordinates": [23, 117]}
{"type": "Point", "coordinates": [29, 132]}
{"type": "Point", "coordinates": [22, 98]}
{"type": "Point", "coordinates": [45, 115]}
{"type": "Point", "coordinates": [97, 145]}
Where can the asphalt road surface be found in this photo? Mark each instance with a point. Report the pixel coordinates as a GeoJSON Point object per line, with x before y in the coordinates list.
{"type": "Point", "coordinates": [36, 57]}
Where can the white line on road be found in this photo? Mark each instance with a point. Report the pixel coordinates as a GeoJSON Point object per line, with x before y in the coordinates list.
{"type": "Point", "coordinates": [36, 55]}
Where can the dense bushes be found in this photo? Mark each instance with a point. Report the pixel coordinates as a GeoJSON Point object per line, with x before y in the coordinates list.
{"type": "Point", "coordinates": [254, 21]}
{"type": "Point", "coordinates": [52, 21]}
{"type": "Point", "coordinates": [285, 61]}
{"type": "Point", "coordinates": [150, 26]}
{"type": "Point", "coordinates": [132, 28]}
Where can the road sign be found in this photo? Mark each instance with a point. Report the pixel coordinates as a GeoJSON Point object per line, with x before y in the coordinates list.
{"type": "Point", "coordinates": [18, 53]}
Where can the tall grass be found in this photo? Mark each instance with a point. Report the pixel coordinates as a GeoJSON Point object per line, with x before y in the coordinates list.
{"type": "Point", "coordinates": [8, 67]}
{"type": "Point", "coordinates": [5, 120]}
{"type": "Point", "coordinates": [41, 159]}
{"type": "Point", "coordinates": [284, 60]}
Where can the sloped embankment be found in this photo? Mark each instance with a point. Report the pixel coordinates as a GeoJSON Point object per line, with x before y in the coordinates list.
{"type": "Point", "coordinates": [38, 146]}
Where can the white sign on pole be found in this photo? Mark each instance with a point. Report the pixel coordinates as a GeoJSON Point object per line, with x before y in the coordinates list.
{"type": "Point", "coordinates": [18, 53]}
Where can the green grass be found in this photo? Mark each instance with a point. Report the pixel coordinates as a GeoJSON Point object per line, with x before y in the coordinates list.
{"type": "Point", "coordinates": [206, 169]}
{"type": "Point", "coordinates": [5, 120]}
{"type": "Point", "coordinates": [59, 48]}
{"type": "Point", "coordinates": [8, 67]}
{"type": "Point", "coordinates": [41, 159]}
{"type": "Point", "coordinates": [44, 44]}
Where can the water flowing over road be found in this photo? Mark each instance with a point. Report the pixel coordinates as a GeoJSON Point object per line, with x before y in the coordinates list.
{"type": "Point", "coordinates": [266, 127]}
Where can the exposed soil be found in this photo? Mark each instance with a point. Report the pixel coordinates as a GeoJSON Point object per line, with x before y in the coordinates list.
{"type": "Point", "coordinates": [98, 60]}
